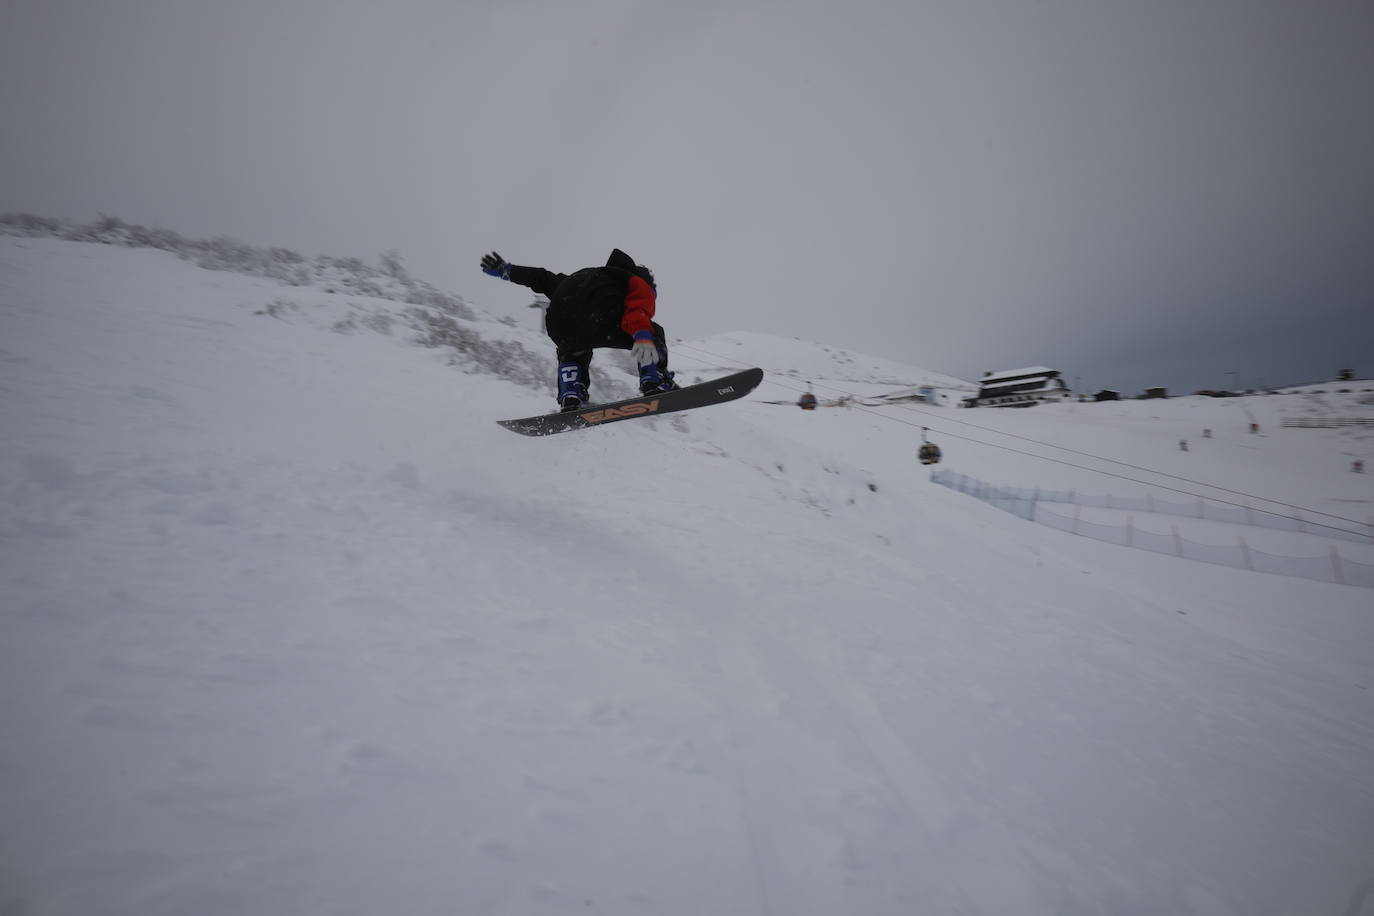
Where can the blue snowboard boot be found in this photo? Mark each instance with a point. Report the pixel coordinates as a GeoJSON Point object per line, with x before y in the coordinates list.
{"type": "Point", "coordinates": [655, 379]}
{"type": "Point", "coordinates": [572, 386]}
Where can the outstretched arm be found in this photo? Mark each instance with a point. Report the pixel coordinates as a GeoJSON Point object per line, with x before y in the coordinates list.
{"type": "Point", "coordinates": [538, 279]}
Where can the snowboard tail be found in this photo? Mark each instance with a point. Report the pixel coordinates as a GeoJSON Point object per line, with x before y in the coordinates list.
{"type": "Point", "coordinates": [702, 394]}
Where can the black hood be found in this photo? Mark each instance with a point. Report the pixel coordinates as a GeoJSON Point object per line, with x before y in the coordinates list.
{"type": "Point", "coordinates": [620, 259]}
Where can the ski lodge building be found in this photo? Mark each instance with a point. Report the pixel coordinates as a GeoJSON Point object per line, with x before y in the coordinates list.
{"type": "Point", "coordinates": [1019, 388]}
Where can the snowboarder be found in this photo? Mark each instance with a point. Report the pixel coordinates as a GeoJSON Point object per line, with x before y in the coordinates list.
{"type": "Point", "coordinates": [609, 306]}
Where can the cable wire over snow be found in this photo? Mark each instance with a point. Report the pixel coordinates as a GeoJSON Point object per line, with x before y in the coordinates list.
{"type": "Point", "coordinates": [772, 379]}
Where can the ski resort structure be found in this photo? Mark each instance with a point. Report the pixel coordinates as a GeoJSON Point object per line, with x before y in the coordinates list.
{"type": "Point", "coordinates": [1019, 388]}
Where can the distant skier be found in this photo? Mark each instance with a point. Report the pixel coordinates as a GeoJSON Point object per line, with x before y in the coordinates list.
{"type": "Point", "coordinates": [807, 401]}
{"type": "Point", "coordinates": [610, 306]}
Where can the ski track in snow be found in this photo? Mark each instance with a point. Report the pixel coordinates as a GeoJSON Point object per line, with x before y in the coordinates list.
{"type": "Point", "coordinates": [293, 627]}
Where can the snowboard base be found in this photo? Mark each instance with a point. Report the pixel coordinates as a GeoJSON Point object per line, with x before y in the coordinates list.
{"type": "Point", "coordinates": [702, 394]}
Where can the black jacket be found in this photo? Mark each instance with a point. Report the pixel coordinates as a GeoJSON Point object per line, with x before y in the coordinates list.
{"type": "Point", "coordinates": [594, 306]}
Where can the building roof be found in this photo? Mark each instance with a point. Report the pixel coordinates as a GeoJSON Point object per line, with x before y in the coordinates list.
{"type": "Point", "coordinates": [1016, 373]}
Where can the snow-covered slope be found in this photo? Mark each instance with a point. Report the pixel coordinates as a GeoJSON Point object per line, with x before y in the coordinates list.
{"type": "Point", "coordinates": [291, 626]}
{"type": "Point", "coordinates": [834, 371]}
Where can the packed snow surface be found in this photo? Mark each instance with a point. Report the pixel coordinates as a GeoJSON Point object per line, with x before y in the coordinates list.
{"type": "Point", "coordinates": [291, 626]}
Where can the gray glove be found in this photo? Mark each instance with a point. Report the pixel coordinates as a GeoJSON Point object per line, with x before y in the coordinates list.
{"type": "Point", "coordinates": [644, 352]}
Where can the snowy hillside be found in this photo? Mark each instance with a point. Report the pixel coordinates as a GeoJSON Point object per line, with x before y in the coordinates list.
{"type": "Point", "coordinates": [291, 626]}
{"type": "Point", "coordinates": [836, 372]}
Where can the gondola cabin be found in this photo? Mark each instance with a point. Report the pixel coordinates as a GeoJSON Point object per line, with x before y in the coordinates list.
{"type": "Point", "coordinates": [929, 452]}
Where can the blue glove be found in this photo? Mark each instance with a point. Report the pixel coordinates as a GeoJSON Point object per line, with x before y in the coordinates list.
{"type": "Point", "coordinates": [495, 266]}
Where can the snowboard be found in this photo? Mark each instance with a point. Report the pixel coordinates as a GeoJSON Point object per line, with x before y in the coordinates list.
{"type": "Point", "coordinates": [702, 394]}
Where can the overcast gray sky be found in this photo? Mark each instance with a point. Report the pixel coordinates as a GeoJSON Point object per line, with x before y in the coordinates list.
{"type": "Point", "coordinates": [1136, 192]}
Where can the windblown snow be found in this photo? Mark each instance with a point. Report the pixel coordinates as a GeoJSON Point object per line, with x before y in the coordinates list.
{"type": "Point", "coordinates": [290, 626]}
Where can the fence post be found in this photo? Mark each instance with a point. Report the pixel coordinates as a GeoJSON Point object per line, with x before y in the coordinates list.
{"type": "Point", "coordinates": [1076, 509]}
{"type": "Point", "coordinates": [1109, 500]}
{"type": "Point", "coordinates": [1149, 502]}
{"type": "Point", "coordinates": [1336, 566]}
{"type": "Point", "coordinates": [1245, 554]}
{"type": "Point", "coordinates": [1178, 541]}
{"type": "Point", "coordinates": [1201, 510]}
{"type": "Point", "coordinates": [1129, 531]}
{"type": "Point", "coordinates": [1249, 516]}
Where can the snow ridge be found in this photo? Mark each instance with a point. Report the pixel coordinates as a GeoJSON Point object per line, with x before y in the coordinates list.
{"type": "Point", "coordinates": [291, 626]}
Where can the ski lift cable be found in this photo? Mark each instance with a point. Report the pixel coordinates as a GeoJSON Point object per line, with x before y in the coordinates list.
{"type": "Point", "coordinates": [1146, 470]}
{"type": "Point", "coordinates": [1137, 467]}
{"type": "Point", "coordinates": [1199, 483]}
{"type": "Point", "coordinates": [1159, 486]}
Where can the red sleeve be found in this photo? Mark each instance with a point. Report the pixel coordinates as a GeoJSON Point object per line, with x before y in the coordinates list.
{"type": "Point", "coordinates": [640, 302]}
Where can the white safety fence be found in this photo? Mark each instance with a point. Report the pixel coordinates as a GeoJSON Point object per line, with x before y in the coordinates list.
{"type": "Point", "coordinates": [1235, 515]}
{"type": "Point", "coordinates": [1200, 508]}
{"type": "Point", "coordinates": [1047, 508]}
{"type": "Point", "coordinates": [1325, 422]}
